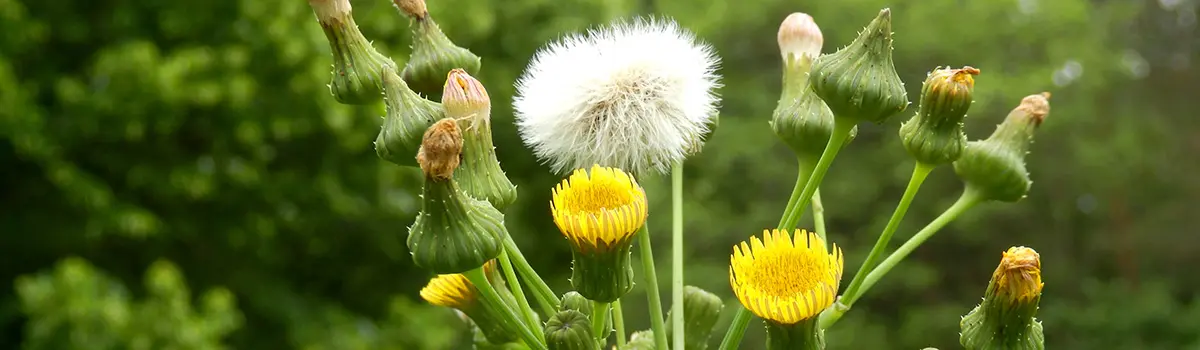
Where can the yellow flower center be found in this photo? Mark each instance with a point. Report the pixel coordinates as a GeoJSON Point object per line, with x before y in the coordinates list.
{"type": "Point", "coordinates": [1019, 275]}
{"type": "Point", "coordinates": [785, 280]}
{"type": "Point", "coordinates": [598, 209]}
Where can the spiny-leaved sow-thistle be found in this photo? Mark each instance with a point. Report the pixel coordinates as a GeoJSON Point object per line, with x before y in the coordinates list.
{"type": "Point", "coordinates": [636, 97]}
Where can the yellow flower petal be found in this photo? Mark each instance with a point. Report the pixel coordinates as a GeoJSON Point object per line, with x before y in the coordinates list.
{"type": "Point", "coordinates": [784, 278]}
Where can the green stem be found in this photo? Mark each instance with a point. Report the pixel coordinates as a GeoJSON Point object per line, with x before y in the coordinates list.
{"type": "Point", "coordinates": [514, 286]}
{"type": "Point", "coordinates": [737, 329]}
{"type": "Point", "coordinates": [479, 279]}
{"type": "Point", "coordinates": [801, 179]}
{"type": "Point", "coordinates": [818, 215]}
{"type": "Point", "coordinates": [841, 131]}
{"type": "Point", "coordinates": [619, 323]}
{"type": "Point", "coordinates": [599, 322]}
{"type": "Point", "coordinates": [920, 171]}
{"type": "Point", "coordinates": [969, 199]}
{"type": "Point", "coordinates": [677, 254]}
{"type": "Point", "coordinates": [653, 298]}
{"type": "Point", "coordinates": [545, 297]}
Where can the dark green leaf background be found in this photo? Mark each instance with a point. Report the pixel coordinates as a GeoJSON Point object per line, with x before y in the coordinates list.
{"type": "Point", "coordinates": [176, 175]}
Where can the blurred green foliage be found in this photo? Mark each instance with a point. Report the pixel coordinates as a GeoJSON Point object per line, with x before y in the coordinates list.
{"type": "Point", "coordinates": [196, 143]}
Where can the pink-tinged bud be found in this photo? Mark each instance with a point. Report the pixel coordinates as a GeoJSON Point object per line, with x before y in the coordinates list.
{"type": "Point", "coordinates": [800, 37]}
{"type": "Point", "coordinates": [463, 96]}
{"type": "Point", "coordinates": [465, 100]}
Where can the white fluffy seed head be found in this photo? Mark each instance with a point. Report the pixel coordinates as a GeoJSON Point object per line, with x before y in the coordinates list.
{"type": "Point", "coordinates": [638, 95]}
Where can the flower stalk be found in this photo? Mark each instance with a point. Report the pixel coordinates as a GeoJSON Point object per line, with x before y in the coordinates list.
{"type": "Point", "coordinates": [677, 256]}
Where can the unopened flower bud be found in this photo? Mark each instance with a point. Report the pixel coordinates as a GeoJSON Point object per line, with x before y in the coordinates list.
{"type": "Point", "coordinates": [701, 310]}
{"type": "Point", "coordinates": [799, 38]}
{"type": "Point", "coordinates": [466, 101]}
{"type": "Point", "coordinates": [859, 82]}
{"type": "Point", "coordinates": [357, 67]}
{"type": "Point", "coordinates": [598, 213]}
{"type": "Point", "coordinates": [574, 301]}
{"type": "Point", "coordinates": [1005, 318]}
{"type": "Point", "coordinates": [433, 54]}
{"type": "Point", "coordinates": [570, 330]}
{"type": "Point", "coordinates": [640, 340]}
{"type": "Point", "coordinates": [455, 291]}
{"type": "Point", "coordinates": [412, 8]}
{"type": "Point", "coordinates": [453, 232]}
{"type": "Point", "coordinates": [801, 119]}
{"type": "Point", "coordinates": [995, 168]}
{"type": "Point", "coordinates": [408, 118]}
{"type": "Point", "coordinates": [935, 134]}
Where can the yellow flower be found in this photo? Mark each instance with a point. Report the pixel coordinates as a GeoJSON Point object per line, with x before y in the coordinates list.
{"type": "Point", "coordinates": [1019, 275]}
{"type": "Point", "coordinates": [785, 279]}
{"type": "Point", "coordinates": [454, 290]}
{"type": "Point", "coordinates": [599, 210]}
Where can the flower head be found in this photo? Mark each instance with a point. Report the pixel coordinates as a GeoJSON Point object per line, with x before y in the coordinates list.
{"type": "Point", "coordinates": [599, 209]}
{"type": "Point", "coordinates": [799, 37]}
{"type": "Point", "coordinates": [785, 279]}
{"type": "Point", "coordinates": [598, 213]}
{"type": "Point", "coordinates": [934, 135]}
{"type": "Point", "coordinates": [1019, 275]}
{"type": "Point", "coordinates": [635, 95]}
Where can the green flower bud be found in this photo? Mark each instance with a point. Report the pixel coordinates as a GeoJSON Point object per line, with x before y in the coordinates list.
{"type": "Point", "coordinates": [640, 340]}
{"type": "Point", "coordinates": [803, 335]}
{"type": "Point", "coordinates": [455, 291]}
{"type": "Point", "coordinates": [433, 54]}
{"type": "Point", "coordinates": [453, 232]}
{"type": "Point", "coordinates": [570, 330]}
{"type": "Point", "coordinates": [465, 100]}
{"type": "Point", "coordinates": [574, 301]}
{"type": "Point", "coordinates": [995, 167]}
{"type": "Point", "coordinates": [598, 213]}
{"type": "Point", "coordinates": [935, 135]}
{"type": "Point", "coordinates": [1005, 319]}
{"type": "Point", "coordinates": [408, 116]}
{"type": "Point", "coordinates": [859, 82]}
{"type": "Point", "coordinates": [701, 310]}
{"type": "Point", "coordinates": [357, 67]}
{"type": "Point", "coordinates": [801, 119]}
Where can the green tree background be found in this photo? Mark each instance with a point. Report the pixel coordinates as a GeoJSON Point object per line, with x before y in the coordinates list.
{"type": "Point", "coordinates": [175, 175]}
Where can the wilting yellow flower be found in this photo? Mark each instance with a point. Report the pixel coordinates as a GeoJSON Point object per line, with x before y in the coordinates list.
{"type": "Point", "coordinates": [600, 209]}
{"type": "Point", "coordinates": [783, 278]}
{"type": "Point", "coordinates": [1019, 275]}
